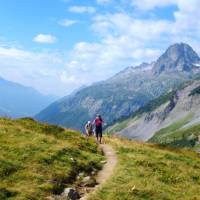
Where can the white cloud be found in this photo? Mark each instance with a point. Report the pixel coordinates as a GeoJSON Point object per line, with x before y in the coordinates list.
{"type": "Point", "coordinates": [104, 1]}
{"type": "Point", "coordinates": [82, 9]}
{"type": "Point", "coordinates": [187, 17]}
{"type": "Point", "coordinates": [67, 22]}
{"type": "Point", "coordinates": [98, 61]}
{"type": "Point", "coordinates": [40, 70]}
{"type": "Point", "coordinates": [67, 79]}
{"type": "Point", "coordinates": [151, 4]}
{"type": "Point", "coordinates": [72, 79]}
{"type": "Point", "coordinates": [127, 39]}
{"type": "Point", "coordinates": [13, 53]}
{"type": "Point", "coordinates": [44, 38]}
{"type": "Point", "coordinates": [122, 24]}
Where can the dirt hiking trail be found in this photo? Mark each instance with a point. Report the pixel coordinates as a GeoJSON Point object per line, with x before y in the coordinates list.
{"type": "Point", "coordinates": [106, 172]}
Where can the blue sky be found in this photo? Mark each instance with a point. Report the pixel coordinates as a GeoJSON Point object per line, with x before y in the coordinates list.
{"type": "Point", "coordinates": [21, 20]}
{"type": "Point", "coordinates": [57, 46]}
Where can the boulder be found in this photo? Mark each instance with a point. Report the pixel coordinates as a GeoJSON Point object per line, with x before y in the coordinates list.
{"type": "Point", "coordinates": [86, 179]}
{"type": "Point", "coordinates": [70, 194]}
{"type": "Point", "coordinates": [103, 162]}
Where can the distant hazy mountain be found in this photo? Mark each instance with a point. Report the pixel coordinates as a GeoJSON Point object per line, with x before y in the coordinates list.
{"type": "Point", "coordinates": [17, 100]}
{"type": "Point", "coordinates": [127, 91]}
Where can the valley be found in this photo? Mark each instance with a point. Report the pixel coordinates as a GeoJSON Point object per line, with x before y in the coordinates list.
{"type": "Point", "coordinates": [17, 100]}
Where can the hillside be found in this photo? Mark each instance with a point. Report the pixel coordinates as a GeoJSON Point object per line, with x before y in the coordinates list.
{"type": "Point", "coordinates": [178, 109]}
{"type": "Point", "coordinates": [18, 101]}
{"type": "Point", "coordinates": [176, 136]}
{"type": "Point", "coordinates": [127, 91]}
{"type": "Point", "coordinates": [38, 160]}
{"type": "Point", "coordinates": [147, 171]}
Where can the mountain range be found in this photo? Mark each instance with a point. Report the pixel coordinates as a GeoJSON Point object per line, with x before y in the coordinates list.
{"type": "Point", "coordinates": [17, 100]}
{"type": "Point", "coordinates": [176, 110]}
{"type": "Point", "coordinates": [121, 95]}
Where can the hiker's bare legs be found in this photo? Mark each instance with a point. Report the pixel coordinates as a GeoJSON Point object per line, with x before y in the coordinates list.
{"type": "Point", "coordinates": [100, 139]}
{"type": "Point", "coordinates": [97, 139]}
{"type": "Point", "coordinates": [87, 134]}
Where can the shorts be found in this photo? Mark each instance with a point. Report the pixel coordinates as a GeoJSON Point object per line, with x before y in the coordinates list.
{"type": "Point", "coordinates": [98, 131]}
{"type": "Point", "coordinates": [89, 132]}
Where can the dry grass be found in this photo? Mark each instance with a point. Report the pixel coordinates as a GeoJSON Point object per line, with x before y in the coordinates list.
{"type": "Point", "coordinates": [38, 159]}
{"type": "Point", "coordinates": [147, 171]}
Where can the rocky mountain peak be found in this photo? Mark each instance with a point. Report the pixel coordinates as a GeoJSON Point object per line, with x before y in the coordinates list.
{"type": "Point", "coordinates": [131, 69]}
{"type": "Point", "coordinates": [178, 57]}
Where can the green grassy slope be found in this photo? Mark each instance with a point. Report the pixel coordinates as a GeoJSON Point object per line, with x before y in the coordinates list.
{"type": "Point", "coordinates": [174, 136]}
{"type": "Point", "coordinates": [150, 172]}
{"type": "Point", "coordinates": [38, 160]}
{"type": "Point", "coordinates": [149, 107]}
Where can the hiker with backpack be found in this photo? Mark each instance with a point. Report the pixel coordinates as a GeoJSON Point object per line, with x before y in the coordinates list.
{"type": "Point", "coordinates": [98, 128]}
{"type": "Point", "coordinates": [89, 129]}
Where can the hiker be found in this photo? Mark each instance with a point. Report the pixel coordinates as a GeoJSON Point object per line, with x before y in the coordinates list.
{"type": "Point", "coordinates": [98, 127]}
{"type": "Point", "coordinates": [89, 129]}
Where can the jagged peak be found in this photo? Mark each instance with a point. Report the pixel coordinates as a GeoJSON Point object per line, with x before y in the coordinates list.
{"type": "Point", "coordinates": [181, 48]}
{"type": "Point", "coordinates": [177, 57]}
{"type": "Point", "coordinates": [142, 67]}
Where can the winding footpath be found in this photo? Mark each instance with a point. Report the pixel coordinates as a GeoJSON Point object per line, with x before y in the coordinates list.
{"type": "Point", "coordinates": [106, 172]}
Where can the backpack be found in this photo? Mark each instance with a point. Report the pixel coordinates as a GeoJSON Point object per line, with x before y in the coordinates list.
{"type": "Point", "coordinates": [89, 126]}
{"type": "Point", "coordinates": [98, 122]}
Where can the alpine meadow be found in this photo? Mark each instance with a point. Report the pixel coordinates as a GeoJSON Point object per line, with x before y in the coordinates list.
{"type": "Point", "coordinates": [100, 100]}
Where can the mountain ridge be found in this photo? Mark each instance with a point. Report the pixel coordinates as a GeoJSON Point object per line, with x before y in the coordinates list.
{"type": "Point", "coordinates": [121, 94]}
{"type": "Point", "coordinates": [176, 110]}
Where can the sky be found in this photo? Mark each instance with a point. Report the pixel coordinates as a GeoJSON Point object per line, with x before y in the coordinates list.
{"type": "Point", "coordinates": [57, 46]}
